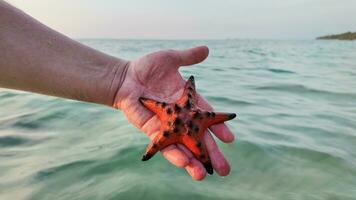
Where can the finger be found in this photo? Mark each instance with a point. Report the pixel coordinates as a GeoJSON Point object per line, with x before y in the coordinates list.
{"type": "Point", "coordinates": [195, 168]}
{"type": "Point", "coordinates": [221, 131]}
{"type": "Point", "coordinates": [193, 55]}
{"type": "Point", "coordinates": [218, 160]}
{"type": "Point", "coordinates": [175, 156]}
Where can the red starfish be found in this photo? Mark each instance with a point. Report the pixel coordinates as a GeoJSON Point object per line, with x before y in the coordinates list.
{"type": "Point", "coordinates": [183, 122]}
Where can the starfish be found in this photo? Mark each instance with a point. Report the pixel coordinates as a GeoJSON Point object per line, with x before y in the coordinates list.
{"type": "Point", "coordinates": [183, 122]}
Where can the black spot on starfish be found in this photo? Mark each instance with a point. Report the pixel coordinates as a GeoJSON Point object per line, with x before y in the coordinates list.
{"type": "Point", "coordinates": [165, 133]}
{"type": "Point", "coordinates": [169, 111]}
{"type": "Point", "coordinates": [196, 115]}
{"type": "Point", "coordinates": [177, 108]}
{"type": "Point", "coordinates": [177, 122]}
{"type": "Point", "coordinates": [198, 144]}
{"type": "Point", "coordinates": [188, 104]}
{"type": "Point", "coordinates": [190, 124]}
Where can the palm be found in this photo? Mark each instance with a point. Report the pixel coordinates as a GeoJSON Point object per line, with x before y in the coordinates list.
{"type": "Point", "coordinates": [156, 76]}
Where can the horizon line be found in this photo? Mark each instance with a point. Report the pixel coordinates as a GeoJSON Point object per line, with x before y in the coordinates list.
{"type": "Point", "coordinates": [186, 39]}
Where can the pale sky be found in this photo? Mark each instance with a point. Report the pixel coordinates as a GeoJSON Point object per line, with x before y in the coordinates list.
{"type": "Point", "coordinates": [194, 19]}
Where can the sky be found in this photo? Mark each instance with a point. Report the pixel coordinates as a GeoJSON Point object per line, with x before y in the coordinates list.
{"type": "Point", "coordinates": [194, 19]}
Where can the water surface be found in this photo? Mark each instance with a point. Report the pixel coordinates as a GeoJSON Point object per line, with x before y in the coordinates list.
{"type": "Point", "coordinates": [296, 130]}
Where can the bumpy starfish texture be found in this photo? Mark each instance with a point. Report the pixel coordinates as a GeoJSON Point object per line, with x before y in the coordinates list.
{"type": "Point", "coordinates": [183, 122]}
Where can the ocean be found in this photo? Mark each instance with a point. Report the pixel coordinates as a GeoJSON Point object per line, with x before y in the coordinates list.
{"type": "Point", "coordinates": [295, 129]}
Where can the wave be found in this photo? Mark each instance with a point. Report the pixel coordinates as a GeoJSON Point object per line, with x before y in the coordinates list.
{"type": "Point", "coordinates": [123, 158]}
{"type": "Point", "coordinates": [301, 89]}
{"type": "Point", "coordinates": [33, 120]}
{"type": "Point", "coordinates": [12, 141]}
{"type": "Point", "coordinates": [273, 70]}
{"type": "Point", "coordinates": [7, 94]}
{"type": "Point", "coordinates": [280, 71]}
{"type": "Point", "coordinates": [48, 173]}
{"type": "Point", "coordinates": [290, 152]}
{"type": "Point", "coordinates": [229, 100]}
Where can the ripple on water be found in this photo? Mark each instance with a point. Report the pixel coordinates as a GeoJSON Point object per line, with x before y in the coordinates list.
{"type": "Point", "coordinates": [303, 90]}
{"type": "Point", "coordinates": [4, 95]}
{"type": "Point", "coordinates": [123, 158]}
{"type": "Point", "coordinates": [280, 71]}
{"type": "Point", "coordinates": [12, 141]}
{"type": "Point", "coordinates": [308, 154]}
{"type": "Point", "coordinates": [34, 120]}
{"type": "Point", "coordinates": [273, 70]}
{"type": "Point", "coordinates": [228, 100]}
{"type": "Point", "coordinates": [62, 169]}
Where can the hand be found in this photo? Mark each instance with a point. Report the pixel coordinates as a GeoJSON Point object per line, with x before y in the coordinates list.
{"type": "Point", "coordinates": [156, 76]}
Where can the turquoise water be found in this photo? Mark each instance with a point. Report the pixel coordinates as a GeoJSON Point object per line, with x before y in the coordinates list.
{"type": "Point", "coordinates": [296, 130]}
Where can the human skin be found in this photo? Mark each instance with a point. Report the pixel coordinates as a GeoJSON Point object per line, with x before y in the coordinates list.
{"type": "Point", "coordinates": [38, 59]}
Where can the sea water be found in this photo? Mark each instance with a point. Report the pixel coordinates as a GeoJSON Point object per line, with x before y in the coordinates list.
{"type": "Point", "coordinates": [295, 131]}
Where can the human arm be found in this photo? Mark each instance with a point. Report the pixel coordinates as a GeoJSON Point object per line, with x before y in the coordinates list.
{"type": "Point", "coordinates": [35, 58]}
{"type": "Point", "coordinates": [38, 59]}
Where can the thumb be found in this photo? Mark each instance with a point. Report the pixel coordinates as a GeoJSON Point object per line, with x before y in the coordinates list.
{"type": "Point", "coordinates": [193, 55]}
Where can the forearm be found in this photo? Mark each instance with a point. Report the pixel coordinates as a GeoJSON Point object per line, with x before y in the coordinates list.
{"type": "Point", "coordinates": [35, 58]}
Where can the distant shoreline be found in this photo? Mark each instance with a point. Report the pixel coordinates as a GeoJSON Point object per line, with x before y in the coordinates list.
{"type": "Point", "coordinates": [342, 36]}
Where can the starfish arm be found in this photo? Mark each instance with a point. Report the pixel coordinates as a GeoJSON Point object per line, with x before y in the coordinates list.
{"type": "Point", "coordinates": [218, 117]}
{"type": "Point", "coordinates": [195, 144]}
{"type": "Point", "coordinates": [189, 96]}
{"type": "Point", "coordinates": [154, 106]}
{"type": "Point", "coordinates": [162, 140]}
